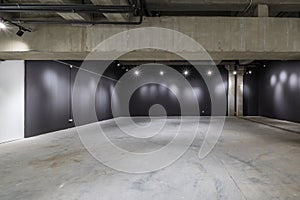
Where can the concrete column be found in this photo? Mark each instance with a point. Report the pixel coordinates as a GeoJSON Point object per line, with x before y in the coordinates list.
{"type": "Point", "coordinates": [262, 10]}
{"type": "Point", "coordinates": [240, 91]}
{"type": "Point", "coordinates": [231, 90]}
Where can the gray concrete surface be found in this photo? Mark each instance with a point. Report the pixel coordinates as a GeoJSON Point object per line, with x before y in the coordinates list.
{"type": "Point", "coordinates": [225, 38]}
{"type": "Point", "coordinates": [250, 161]}
{"type": "Point", "coordinates": [276, 123]}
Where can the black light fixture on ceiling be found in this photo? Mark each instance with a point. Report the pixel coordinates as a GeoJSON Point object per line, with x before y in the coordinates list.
{"type": "Point", "coordinates": [4, 22]}
{"type": "Point", "coordinates": [20, 32]}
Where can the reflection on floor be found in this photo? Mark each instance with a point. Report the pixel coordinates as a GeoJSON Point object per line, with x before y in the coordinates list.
{"type": "Point", "coordinates": [250, 161]}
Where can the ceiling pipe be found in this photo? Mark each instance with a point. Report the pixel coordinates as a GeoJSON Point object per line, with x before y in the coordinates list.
{"type": "Point", "coordinates": [134, 5]}
{"type": "Point", "coordinates": [140, 21]}
{"type": "Point", "coordinates": [68, 8]}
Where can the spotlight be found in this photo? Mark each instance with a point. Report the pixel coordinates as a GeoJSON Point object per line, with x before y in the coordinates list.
{"type": "Point", "coordinates": [2, 25]}
{"type": "Point", "coordinates": [161, 73]}
{"type": "Point", "coordinates": [118, 64]}
{"type": "Point", "coordinates": [136, 72]}
{"type": "Point", "coordinates": [126, 70]}
{"type": "Point", "coordinates": [250, 72]}
{"type": "Point", "coordinates": [234, 72]}
{"type": "Point", "coordinates": [209, 73]}
{"type": "Point", "coordinates": [186, 72]}
{"type": "Point", "coordinates": [20, 32]}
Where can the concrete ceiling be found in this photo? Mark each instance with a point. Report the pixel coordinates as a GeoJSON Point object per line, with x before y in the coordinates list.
{"type": "Point", "coordinates": [231, 31]}
{"type": "Point", "coordinates": [154, 8]}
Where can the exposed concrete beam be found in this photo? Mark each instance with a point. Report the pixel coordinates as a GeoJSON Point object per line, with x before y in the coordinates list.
{"type": "Point", "coordinates": [225, 38]}
{"type": "Point", "coordinates": [112, 16]}
{"type": "Point", "coordinates": [262, 10]}
{"type": "Point", "coordinates": [69, 16]}
{"type": "Point", "coordinates": [220, 5]}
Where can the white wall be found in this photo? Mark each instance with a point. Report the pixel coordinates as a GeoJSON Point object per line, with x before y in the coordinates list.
{"type": "Point", "coordinates": [11, 100]}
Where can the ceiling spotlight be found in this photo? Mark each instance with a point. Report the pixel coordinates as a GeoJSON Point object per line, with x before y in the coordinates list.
{"type": "Point", "coordinates": [209, 73]}
{"type": "Point", "coordinates": [20, 32]}
{"type": "Point", "coordinates": [186, 72]}
{"type": "Point", "coordinates": [118, 64]}
{"type": "Point", "coordinates": [126, 70]}
{"type": "Point", "coordinates": [234, 72]}
{"type": "Point", "coordinates": [250, 72]}
{"type": "Point", "coordinates": [161, 73]}
{"type": "Point", "coordinates": [136, 72]}
{"type": "Point", "coordinates": [2, 25]}
{"type": "Point", "coordinates": [264, 65]}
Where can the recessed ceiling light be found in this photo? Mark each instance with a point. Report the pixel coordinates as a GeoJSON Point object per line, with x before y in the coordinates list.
{"type": "Point", "coordinates": [250, 72]}
{"type": "Point", "coordinates": [186, 72]}
{"type": "Point", "coordinates": [234, 72]}
{"type": "Point", "coordinates": [209, 73]}
{"type": "Point", "coordinates": [118, 64]}
{"type": "Point", "coordinates": [161, 73]}
{"type": "Point", "coordinates": [136, 72]}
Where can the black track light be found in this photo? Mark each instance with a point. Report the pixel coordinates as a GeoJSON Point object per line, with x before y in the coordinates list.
{"type": "Point", "coordinates": [20, 32]}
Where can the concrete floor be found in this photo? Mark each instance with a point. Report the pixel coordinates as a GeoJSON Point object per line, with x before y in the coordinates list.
{"type": "Point", "coordinates": [250, 161]}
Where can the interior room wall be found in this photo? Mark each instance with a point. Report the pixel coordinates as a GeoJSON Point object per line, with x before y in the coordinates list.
{"type": "Point", "coordinates": [11, 100]}
{"type": "Point", "coordinates": [279, 94]}
{"type": "Point", "coordinates": [49, 87]}
{"type": "Point", "coordinates": [251, 91]}
{"type": "Point", "coordinates": [47, 99]}
{"type": "Point", "coordinates": [274, 91]}
{"type": "Point", "coordinates": [151, 94]}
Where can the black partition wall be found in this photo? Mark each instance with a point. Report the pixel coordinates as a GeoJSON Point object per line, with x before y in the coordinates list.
{"type": "Point", "coordinates": [48, 87]}
{"type": "Point", "coordinates": [276, 89]}
{"type": "Point", "coordinates": [50, 84]}
{"type": "Point", "coordinates": [151, 94]}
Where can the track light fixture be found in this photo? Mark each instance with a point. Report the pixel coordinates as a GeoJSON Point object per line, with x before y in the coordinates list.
{"type": "Point", "coordinates": [20, 32]}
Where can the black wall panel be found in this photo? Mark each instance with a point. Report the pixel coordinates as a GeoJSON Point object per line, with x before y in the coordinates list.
{"type": "Point", "coordinates": [47, 98]}
{"type": "Point", "coordinates": [274, 91]}
{"type": "Point", "coordinates": [279, 94]}
{"type": "Point", "coordinates": [251, 91]}
{"type": "Point", "coordinates": [48, 103]}
{"type": "Point", "coordinates": [151, 94]}
{"type": "Point", "coordinates": [148, 95]}
{"type": "Point", "coordinates": [49, 86]}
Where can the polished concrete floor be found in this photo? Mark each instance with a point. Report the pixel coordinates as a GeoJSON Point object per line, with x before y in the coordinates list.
{"type": "Point", "coordinates": [250, 161]}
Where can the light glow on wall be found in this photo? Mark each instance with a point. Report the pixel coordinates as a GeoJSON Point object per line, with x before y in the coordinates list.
{"type": "Point", "coordinates": [293, 81]}
{"type": "Point", "coordinates": [273, 80]}
{"type": "Point", "coordinates": [283, 76]}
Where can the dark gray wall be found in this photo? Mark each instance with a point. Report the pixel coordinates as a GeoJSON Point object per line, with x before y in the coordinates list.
{"type": "Point", "coordinates": [251, 91]}
{"type": "Point", "coordinates": [276, 89]}
{"type": "Point", "coordinates": [48, 87]}
{"type": "Point", "coordinates": [47, 98]}
{"type": "Point", "coordinates": [279, 94]}
{"type": "Point", "coordinates": [151, 94]}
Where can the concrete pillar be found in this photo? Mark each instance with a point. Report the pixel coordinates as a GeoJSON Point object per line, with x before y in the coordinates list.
{"type": "Point", "coordinates": [262, 10]}
{"type": "Point", "coordinates": [240, 91]}
{"type": "Point", "coordinates": [231, 90]}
